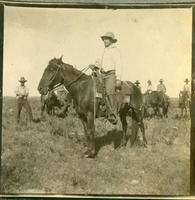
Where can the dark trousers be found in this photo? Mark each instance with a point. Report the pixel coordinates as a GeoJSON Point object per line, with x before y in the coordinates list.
{"type": "Point", "coordinates": [110, 85]}
{"type": "Point", "coordinates": [23, 103]}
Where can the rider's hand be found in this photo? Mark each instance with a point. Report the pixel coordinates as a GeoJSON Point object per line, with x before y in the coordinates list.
{"type": "Point", "coordinates": [91, 67]}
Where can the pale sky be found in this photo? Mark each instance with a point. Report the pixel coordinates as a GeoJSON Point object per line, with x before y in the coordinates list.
{"type": "Point", "coordinates": [154, 43]}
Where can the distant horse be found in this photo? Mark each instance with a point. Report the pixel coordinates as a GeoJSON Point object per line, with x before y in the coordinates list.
{"type": "Point", "coordinates": [158, 101]}
{"type": "Point", "coordinates": [184, 102]}
{"type": "Point", "coordinates": [81, 87]}
{"type": "Point", "coordinates": [66, 104]}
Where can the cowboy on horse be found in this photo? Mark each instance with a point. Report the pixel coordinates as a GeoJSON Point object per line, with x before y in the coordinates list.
{"type": "Point", "coordinates": [149, 87]}
{"type": "Point", "coordinates": [161, 87]}
{"type": "Point", "coordinates": [111, 73]}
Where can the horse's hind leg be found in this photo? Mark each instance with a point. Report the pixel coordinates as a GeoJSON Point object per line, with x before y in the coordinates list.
{"type": "Point", "coordinates": [142, 128]}
{"type": "Point", "coordinates": [139, 120]}
{"type": "Point", "coordinates": [134, 132]}
{"type": "Point", "coordinates": [186, 112]}
{"type": "Point", "coordinates": [181, 112]}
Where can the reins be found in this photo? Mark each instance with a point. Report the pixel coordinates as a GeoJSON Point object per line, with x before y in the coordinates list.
{"type": "Point", "coordinates": [58, 67]}
{"type": "Point", "coordinates": [82, 73]}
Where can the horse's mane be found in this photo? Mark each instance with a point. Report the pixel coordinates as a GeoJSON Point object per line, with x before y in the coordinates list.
{"type": "Point", "coordinates": [66, 66]}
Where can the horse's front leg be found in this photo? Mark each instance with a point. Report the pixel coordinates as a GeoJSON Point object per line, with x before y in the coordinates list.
{"type": "Point", "coordinates": [89, 129]}
{"type": "Point", "coordinates": [142, 128]}
{"type": "Point", "coordinates": [42, 109]}
{"type": "Point", "coordinates": [123, 119]}
{"type": "Point", "coordinates": [84, 123]}
{"type": "Point", "coordinates": [90, 133]}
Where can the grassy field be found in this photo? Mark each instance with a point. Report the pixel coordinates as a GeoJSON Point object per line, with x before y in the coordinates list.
{"type": "Point", "coordinates": [46, 157]}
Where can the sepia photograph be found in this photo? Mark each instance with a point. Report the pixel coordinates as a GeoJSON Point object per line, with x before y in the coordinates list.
{"type": "Point", "coordinates": [96, 101]}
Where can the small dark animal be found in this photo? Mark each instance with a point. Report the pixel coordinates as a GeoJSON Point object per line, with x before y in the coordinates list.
{"type": "Point", "coordinates": [49, 102]}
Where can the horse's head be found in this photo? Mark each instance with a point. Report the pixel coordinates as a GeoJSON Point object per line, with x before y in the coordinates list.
{"type": "Point", "coordinates": [51, 76]}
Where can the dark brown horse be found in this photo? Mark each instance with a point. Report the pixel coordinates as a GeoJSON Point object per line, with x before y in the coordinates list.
{"type": "Point", "coordinates": [158, 101]}
{"type": "Point", "coordinates": [81, 87]}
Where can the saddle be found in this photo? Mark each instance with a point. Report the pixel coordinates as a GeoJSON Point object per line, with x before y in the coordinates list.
{"type": "Point", "coordinates": [124, 91]}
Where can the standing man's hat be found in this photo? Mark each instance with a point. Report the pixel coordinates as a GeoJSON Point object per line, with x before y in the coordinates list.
{"type": "Point", "coordinates": [109, 35]}
{"type": "Point", "coordinates": [22, 79]}
{"type": "Point", "coordinates": [161, 80]}
{"type": "Point", "coordinates": [137, 82]}
{"type": "Point", "coordinates": [149, 81]}
{"type": "Point", "coordinates": [186, 80]}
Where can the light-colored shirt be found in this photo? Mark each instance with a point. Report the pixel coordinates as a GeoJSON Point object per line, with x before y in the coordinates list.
{"type": "Point", "coordinates": [186, 88]}
{"type": "Point", "coordinates": [111, 60]}
{"type": "Point", "coordinates": [22, 91]}
{"type": "Point", "coordinates": [161, 88]}
{"type": "Point", "coordinates": [149, 88]}
{"type": "Point", "coordinates": [139, 87]}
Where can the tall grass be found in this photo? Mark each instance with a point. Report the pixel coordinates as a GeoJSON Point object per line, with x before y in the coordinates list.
{"type": "Point", "coordinates": [46, 157]}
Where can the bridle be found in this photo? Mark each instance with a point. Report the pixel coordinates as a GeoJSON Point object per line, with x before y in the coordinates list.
{"type": "Point", "coordinates": [59, 66]}
{"type": "Point", "coordinates": [54, 76]}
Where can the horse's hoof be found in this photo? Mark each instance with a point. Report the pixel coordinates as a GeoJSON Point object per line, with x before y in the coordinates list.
{"type": "Point", "coordinates": [144, 144]}
{"type": "Point", "coordinates": [123, 145]}
{"type": "Point", "coordinates": [90, 155]}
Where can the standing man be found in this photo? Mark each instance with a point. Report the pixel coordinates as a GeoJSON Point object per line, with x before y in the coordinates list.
{"type": "Point", "coordinates": [137, 83]}
{"type": "Point", "coordinates": [22, 93]}
{"type": "Point", "coordinates": [186, 88]}
{"type": "Point", "coordinates": [111, 69]}
{"type": "Point", "coordinates": [161, 87]}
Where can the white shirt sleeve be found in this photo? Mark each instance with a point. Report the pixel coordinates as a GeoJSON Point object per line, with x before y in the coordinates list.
{"type": "Point", "coordinates": [118, 65]}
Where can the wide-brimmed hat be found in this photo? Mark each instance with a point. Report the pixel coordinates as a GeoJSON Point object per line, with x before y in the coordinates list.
{"type": "Point", "coordinates": [149, 81]}
{"type": "Point", "coordinates": [109, 35]}
{"type": "Point", "coordinates": [137, 82]}
{"type": "Point", "coordinates": [161, 80]}
{"type": "Point", "coordinates": [186, 80]}
{"type": "Point", "coordinates": [22, 80]}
